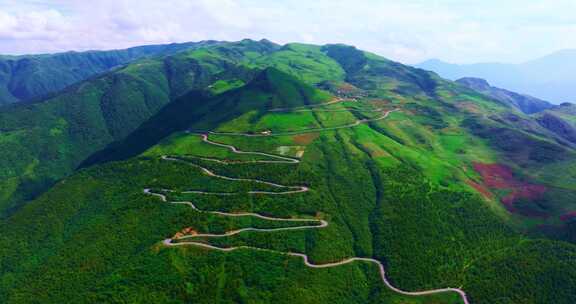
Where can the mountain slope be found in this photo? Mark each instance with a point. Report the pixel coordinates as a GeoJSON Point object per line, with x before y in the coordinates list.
{"type": "Point", "coordinates": [42, 142]}
{"type": "Point", "coordinates": [255, 186]}
{"type": "Point", "coordinates": [566, 111]}
{"type": "Point", "coordinates": [524, 103]}
{"type": "Point", "coordinates": [557, 121]}
{"type": "Point", "coordinates": [269, 89]}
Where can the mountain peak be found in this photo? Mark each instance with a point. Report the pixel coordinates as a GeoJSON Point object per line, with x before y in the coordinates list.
{"type": "Point", "coordinates": [432, 61]}
{"type": "Point", "coordinates": [475, 83]}
{"type": "Point", "coordinates": [286, 89]}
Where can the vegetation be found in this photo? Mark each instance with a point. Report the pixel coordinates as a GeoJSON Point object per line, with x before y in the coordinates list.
{"type": "Point", "coordinates": [44, 141]}
{"type": "Point", "coordinates": [406, 190]}
{"type": "Point", "coordinates": [25, 78]}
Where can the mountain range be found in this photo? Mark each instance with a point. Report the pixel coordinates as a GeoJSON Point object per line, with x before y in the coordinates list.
{"type": "Point", "coordinates": [548, 77]}
{"type": "Point", "coordinates": [30, 77]}
{"type": "Point", "coordinates": [253, 172]}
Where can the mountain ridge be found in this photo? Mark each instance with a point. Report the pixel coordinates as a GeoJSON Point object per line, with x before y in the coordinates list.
{"type": "Point", "coordinates": [32, 77]}
{"type": "Point", "coordinates": [525, 103]}
{"type": "Point", "coordinates": [542, 77]}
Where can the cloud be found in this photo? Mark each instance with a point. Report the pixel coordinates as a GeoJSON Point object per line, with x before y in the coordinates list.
{"type": "Point", "coordinates": [405, 30]}
{"type": "Point", "coordinates": [32, 25]}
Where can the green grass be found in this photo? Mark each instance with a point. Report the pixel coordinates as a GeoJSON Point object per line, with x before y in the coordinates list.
{"type": "Point", "coordinates": [221, 86]}
{"type": "Point", "coordinates": [308, 62]}
{"type": "Point", "coordinates": [185, 144]}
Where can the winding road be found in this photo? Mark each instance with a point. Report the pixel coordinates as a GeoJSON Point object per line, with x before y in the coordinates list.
{"type": "Point", "coordinates": [336, 100]}
{"type": "Point", "coordinates": [303, 131]}
{"type": "Point", "coordinates": [188, 240]}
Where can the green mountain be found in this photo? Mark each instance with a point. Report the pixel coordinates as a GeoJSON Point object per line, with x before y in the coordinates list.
{"type": "Point", "coordinates": [269, 89]}
{"type": "Point", "coordinates": [293, 174]}
{"type": "Point", "coordinates": [24, 78]}
{"type": "Point", "coordinates": [42, 142]}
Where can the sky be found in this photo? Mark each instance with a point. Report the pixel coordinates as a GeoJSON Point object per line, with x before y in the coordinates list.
{"type": "Point", "coordinates": [409, 31]}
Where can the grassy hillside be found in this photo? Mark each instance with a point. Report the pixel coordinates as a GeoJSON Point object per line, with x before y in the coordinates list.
{"type": "Point", "coordinates": [525, 103]}
{"type": "Point", "coordinates": [444, 187]}
{"type": "Point", "coordinates": [269, 89]}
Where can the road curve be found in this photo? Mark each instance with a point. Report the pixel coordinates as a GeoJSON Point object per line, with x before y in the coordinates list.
{"type": "Point", "coordinates": [290, 189]}
{"type": "Point", "coordinates": [460, 292]}
{"type": "Point", "coordinates": [354, 124]}
{"type": "Point", "coordinates": [280, 159]}
{"type": "Point", "coordinates": [310, 223]}
{"type": "Point", "coordinates": [336, 100]}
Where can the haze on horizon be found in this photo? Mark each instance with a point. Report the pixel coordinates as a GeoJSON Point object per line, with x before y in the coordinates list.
{"type": "Point", "coordinates": [409, 31]}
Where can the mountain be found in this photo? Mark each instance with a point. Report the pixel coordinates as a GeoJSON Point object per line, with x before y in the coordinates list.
{"type": "Point", "coordinates": [557, 120]}
{"type": "Point", "coordinates": [24, 78]}
{"type": "Point", "coordinates": [273, 88]}
{"type": "Point", "coordinates": [566, 110]}
{"type": "Point", "coordinates": [561, 120]}
{"type": "Point", "coordinates": [262, 178]}
{"type": "Point", "coordinates": [43, 141]}
{"type": "Point", "coordinates": [547, 77]}
{"type": "Point", "coordinates": [524, 103]}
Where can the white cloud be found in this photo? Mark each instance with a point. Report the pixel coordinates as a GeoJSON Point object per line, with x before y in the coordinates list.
{"type": "Point", "coordinates": [405, 30]}
{"type": "Point", "coordinates": [31, 25]}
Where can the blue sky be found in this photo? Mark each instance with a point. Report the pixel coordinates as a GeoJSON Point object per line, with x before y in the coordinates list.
{"type": "Point", "coordinates": [409, 31]}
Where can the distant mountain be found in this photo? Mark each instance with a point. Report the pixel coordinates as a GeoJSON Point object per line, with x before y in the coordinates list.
{"type": "Point", "coordinates": [524, 103]}
{"type": "Point", "coordinates": [557, 120]}
{"type": "Point", "coordinates": [560, 120]}
{"type": "Point", "coordinates": [550, 77]}
{"type": "Point", "coordinates": [27, 77]}
{"type": "Point", "coordinates": [566, 108]}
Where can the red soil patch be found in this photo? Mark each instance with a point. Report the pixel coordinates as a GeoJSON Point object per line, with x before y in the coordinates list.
{"type": "Point", "coordinates": [468, 106]}
{"type": "Point", "coordinates": [451, 131]}
{"type": "Point", "coordinates": [304, 139]}
{"type": "Point", "coordinates": [480, 188]}
{"type": "Point", "coordinates": [185, 232]}
{"type": "Point", "coordinates": [568, 216]}
{"type": "Point", "coordinates": [379, 102]}
{"type": "Point", "coordinates": [496, 176]}
{"type": "Point", "coordinates": [525, 191]}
